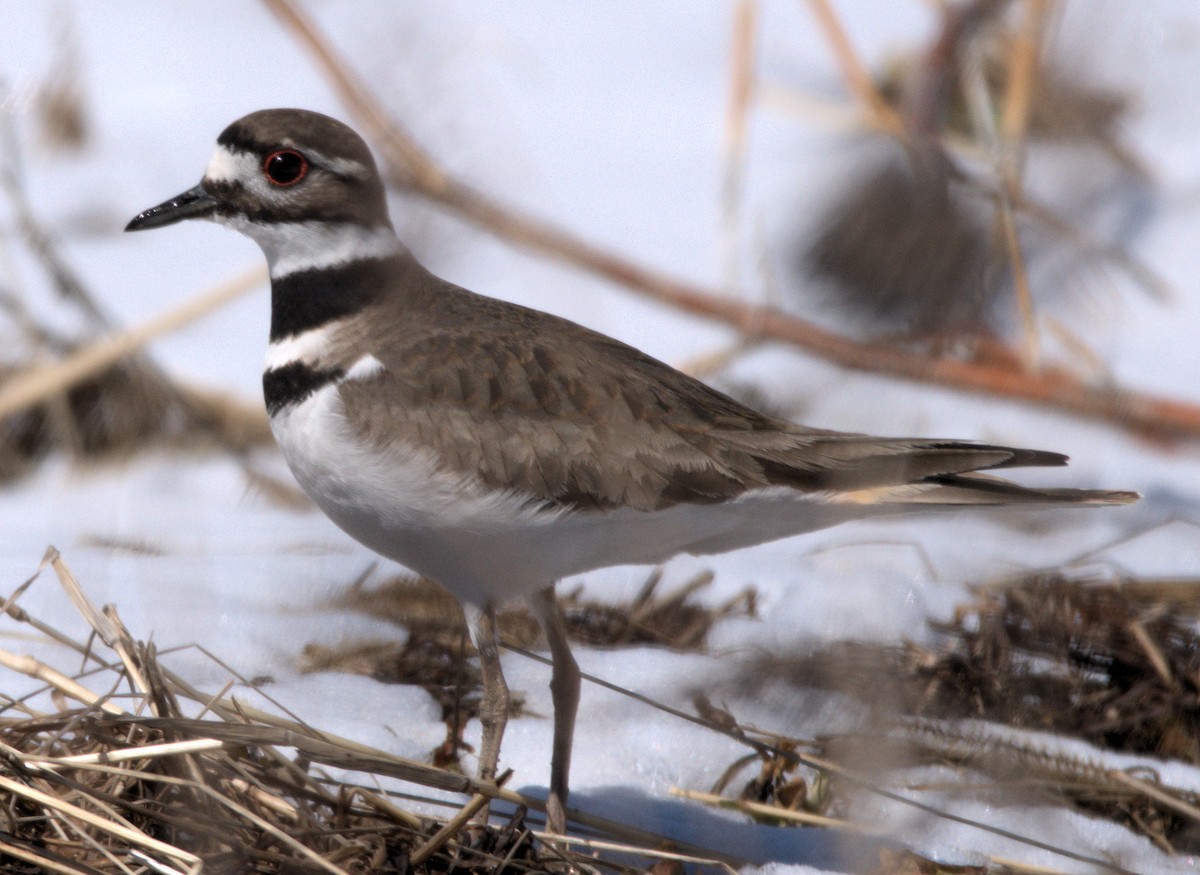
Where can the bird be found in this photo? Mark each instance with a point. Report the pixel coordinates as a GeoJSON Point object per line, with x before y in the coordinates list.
{"type": "Point", "coordinates": [496, 449]}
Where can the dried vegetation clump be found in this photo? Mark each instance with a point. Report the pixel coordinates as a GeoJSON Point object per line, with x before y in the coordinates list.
{"type": "Point", "coordinates": [152, 775]}
{"type": "Point", "coordinates": [910, 251]}
{"type": "Point", "coordinates": [116, 412]}
{"type": "Point", "coordinates": [950, 230]}
{"type": "Point", "coordinates": [674, 620]}
{"type": "Point", "coordinates": [1114, 662]}
{"type": "Point", "coordinates": [436, 652]}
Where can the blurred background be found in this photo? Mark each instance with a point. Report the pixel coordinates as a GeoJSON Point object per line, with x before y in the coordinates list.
{"type": "Point", "coordinates": [971, 219]}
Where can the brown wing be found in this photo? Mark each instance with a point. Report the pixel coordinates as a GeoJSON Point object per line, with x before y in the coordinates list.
{"type": "Point", "coordinates": [573, 418]}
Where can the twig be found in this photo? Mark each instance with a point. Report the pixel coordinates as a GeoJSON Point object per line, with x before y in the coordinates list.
{"type": "Point", "coordinates": [142, 752]}
{"type": "Point", "coordinates": [70, 811]}
{"type": "Point", "coordinates": [39, 240]}
{"type": "Point", "coordinates": [1008, 192]}
{"type": "Point", "coordinates": [107, 626]}
{"type": "Point", "coordinates": [741, 86]}
{"type": "Point", "coordinates": [653, 853]}
{"type": "Point", "coordinates": [1024, 54]}
{"type": "Point", "coordinates": [38, 670]}
{"type": "Point", "coordinates": [1014, 124]}
{"type": "Point", "coordinates": [855, 72]}
{"type": "Point", "coordinates": [37, 858]}
{"type": "Point", "coordinates": [1158, 795]}
{"type": "Point", "coordinates": [31, 387]}
{"type": "Point", "coordinates": [1153, 652]}
{"type": "Point", "coordinates": [926, 108]}
{"type": "Point", "coordinates": [454, 824]}
{"type": "Point", "coordinates": [760, 810]}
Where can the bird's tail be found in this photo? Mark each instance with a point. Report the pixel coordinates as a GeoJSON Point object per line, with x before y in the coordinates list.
{"type": "Point", "coordinates": [981, 490]}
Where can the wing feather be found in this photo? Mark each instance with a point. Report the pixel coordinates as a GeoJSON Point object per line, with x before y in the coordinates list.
{"type": "Point", "coordinates": [526, 401]}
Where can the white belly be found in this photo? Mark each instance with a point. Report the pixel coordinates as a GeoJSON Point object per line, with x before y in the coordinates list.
{"type": "Point", "coordinates": [487, 546]}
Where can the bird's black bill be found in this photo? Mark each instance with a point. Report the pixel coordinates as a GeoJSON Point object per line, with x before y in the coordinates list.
{"type": "Point", "coordinates": [192, 204]}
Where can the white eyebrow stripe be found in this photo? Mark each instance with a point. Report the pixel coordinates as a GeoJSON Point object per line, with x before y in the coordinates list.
{"type": "Point", "coordinates": [227, 165]}
{"type": "Point", "coordinates": [340, 166]}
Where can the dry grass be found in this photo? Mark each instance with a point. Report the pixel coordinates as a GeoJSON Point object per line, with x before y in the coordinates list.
{"type": "Point", "coordinates": [437, 655]}
{"type": "Point", "coordinates": [1113, 662]}
{"type": "Point", "coordinates": [673, 620]}
{"type": "Point", "coordinates": [153, 775]}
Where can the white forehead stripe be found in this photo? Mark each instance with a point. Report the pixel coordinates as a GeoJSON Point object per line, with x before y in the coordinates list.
{"type": "Point", "coordinates": [227, 166]}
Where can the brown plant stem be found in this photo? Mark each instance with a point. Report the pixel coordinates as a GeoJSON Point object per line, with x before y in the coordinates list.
{"type": "Point", "coordinates": [854, 71]}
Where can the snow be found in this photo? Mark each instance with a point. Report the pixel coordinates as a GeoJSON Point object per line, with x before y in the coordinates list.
{"type": "Point", "coordinates": [606, 119]}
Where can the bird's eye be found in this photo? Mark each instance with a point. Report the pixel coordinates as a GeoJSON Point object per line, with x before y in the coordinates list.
{"type": "Point", "coordinates": [285, 167]}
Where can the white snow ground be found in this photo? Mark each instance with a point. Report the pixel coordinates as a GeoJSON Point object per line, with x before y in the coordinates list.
{"type": "Point", "coordinates": [606, 118]}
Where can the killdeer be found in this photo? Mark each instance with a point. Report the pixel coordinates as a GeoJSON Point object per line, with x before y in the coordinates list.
{"type": "Point", "coordinates": [497, 449]}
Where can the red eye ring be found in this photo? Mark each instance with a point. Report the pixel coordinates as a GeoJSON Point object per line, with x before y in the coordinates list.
{"type": "Point", "coordinates": [285, 167]}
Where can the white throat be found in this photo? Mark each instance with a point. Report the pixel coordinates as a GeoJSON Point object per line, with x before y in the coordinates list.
{"type": "Point", "coordinates": [292, 247]}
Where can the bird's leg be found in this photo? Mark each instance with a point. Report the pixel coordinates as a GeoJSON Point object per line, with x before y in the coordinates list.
{"type": "Point", "coordinates": [493, 708]}
{"type": "Point", "coordinates": [564, 690]}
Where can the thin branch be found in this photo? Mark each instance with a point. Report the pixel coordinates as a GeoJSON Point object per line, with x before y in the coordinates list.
{"type": "Point", "coordinates": [741, 88]}
{"type": "Point", "coordinates": [926, 107]}
{"type": "Point", "coordinates": [37, 238]}
{"type": "Point", "coordinates": [1050, 386]}
{"type": "Point", "coordinates": [1002, 149]}
{"type": "Point", "coordinates": [452, 826]}
{"type": "Point", "coordinates": [1023, 64]}
{"type": "Point", "coordinates": [1024, 56]}
{"type": "Point", "coordinates": [855, 72]}
{"type": "Point", "coordinates": [41, 383]}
